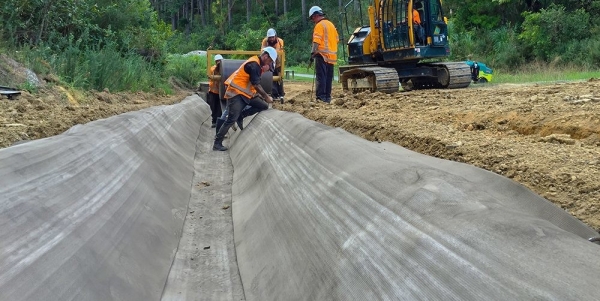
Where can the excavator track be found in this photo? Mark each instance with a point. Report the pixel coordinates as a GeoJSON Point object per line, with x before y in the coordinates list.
{"type": "Point", "coordinates": [459, 74]}
{"type": "Point", "coordinates": [450, 75]}
{"type": "Point", "coordinates": [370, 79]}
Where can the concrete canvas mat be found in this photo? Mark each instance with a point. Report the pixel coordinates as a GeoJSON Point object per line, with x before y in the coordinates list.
{"type": "Point", "coordinates": [96, 213]}
{"type": "Point", "coordinates": [320, 214]}
{"type": "Point", "coordinates": [99, 212]}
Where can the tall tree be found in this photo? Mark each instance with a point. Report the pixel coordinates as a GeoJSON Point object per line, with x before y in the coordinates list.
{"type": "Point", "coordinates": [248, 11]}
{"type": "Point", "coordinates": [229, 8]}
{"type": "Point", "coordinates": [202, 12]}
{"type": "Point", "coordinates": [304, 13]}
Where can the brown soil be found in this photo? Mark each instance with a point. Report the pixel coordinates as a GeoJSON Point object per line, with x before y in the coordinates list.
{"type": "Point", "coordinates": [545, 136]}
{"type": "Point", "coordinates": [53, 110]}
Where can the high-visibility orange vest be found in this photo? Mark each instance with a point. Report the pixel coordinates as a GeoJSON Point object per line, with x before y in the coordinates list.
{"type": "Point", "coordinates": [213, 85]}
{"type": "Point", "coordinates": [326, 36]}
{"type": "Point", "coordinates": [278, 46]}
{"type": "Point", "coordinates": [416, 17]}
{"type": "Point", "coordinates": [238, 83]}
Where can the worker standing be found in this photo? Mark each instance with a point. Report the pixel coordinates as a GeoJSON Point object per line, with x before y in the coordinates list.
{"type": "Point", "coordinates": [243, 85]}
{"type": "Point", "coordinates": [475, 72]}
{"type": "Point", "coordinates": [324, 52]}
{"type": "Point", "coordinates": [418, 28]}
{"type": "Point", "coordinates": [272, 40]}
{"type": "Point", "coordinates": [213, 99]}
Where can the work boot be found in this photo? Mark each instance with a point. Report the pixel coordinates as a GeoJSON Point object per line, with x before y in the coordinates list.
{"type": "Point", "coordinates": [218, 145]}
{"type": "Point", "coordinates": [219, 124]}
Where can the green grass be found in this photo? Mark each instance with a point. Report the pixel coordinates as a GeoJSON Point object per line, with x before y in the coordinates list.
{"type": "Point", "coordinates": [302, 69]}
{"type": "Point", "coordinates": [533, 73]}
{"type": "Point", "coordinates": [543, 76]}
{"type": "Point", "coordinates": [299, 70]}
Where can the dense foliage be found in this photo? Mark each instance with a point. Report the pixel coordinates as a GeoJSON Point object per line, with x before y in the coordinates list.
{"type": "Point", "coordinates": [510, 34]}
{"type": "Point", "coordinates": [89, 43]}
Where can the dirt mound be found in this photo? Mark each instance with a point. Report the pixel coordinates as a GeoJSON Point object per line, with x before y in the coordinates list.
{"type": "Point", "coordinates": [54, 109]}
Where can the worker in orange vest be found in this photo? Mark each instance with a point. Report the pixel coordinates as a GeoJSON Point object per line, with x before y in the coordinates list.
{"type": "Point", "coordinates": [418, 27]}
{"type": "Point", "coordinates": [213, 99]}
{"type": "Point", "coordinates": [243, 89]}
{"type": "Point", "coordinates": [324, 52]}
{"type": "Point", "coordinates": [276, 42]}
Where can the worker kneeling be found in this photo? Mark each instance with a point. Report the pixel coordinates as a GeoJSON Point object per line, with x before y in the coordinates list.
{"type": "Point", "coordinates": [243, 88]}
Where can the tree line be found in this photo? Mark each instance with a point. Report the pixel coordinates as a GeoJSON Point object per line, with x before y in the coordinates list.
{"type": "Point", "coordinates": [506, 34]}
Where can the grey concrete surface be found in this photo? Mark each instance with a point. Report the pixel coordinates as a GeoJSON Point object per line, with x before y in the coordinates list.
{"type": "Point", "coordinates": [320, 214]}
{"type": "Point", "coordinates": [135, 207]}
{"type": "Point", "coordinates": [96, 213]}
{"type": "Point", "coordinates": [205, 266]}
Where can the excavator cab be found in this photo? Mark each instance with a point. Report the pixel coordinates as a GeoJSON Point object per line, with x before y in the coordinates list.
{"type": "Point", "coordinates": [407, 24]}
{"type": "Point", "coordinates": [390, 49]}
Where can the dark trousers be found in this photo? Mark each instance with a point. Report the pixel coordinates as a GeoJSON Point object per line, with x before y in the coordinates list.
{"type": "Point", "coordinates": [419, 34]}
{"type": "Point", "coordinates": [475, 73]}
{"type": "Point", "coordinates": [235, 105]}
{"type": "Point", "coordinates": [277, 86]}
{"type": "Point", "coordinates": [324, 74]}
{"type": "Point", "coordinates": [215, 105]}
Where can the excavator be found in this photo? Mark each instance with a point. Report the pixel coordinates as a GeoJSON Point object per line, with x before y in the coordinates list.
{"type": "Point", "coordinates": [403, 45]}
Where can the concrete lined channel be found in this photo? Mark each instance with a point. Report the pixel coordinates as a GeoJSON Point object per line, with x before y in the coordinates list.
{"type": "Point", "coordinates": [137, 207]}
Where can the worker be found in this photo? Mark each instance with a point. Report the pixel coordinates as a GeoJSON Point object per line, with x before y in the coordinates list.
{"type": "Point", "coordinates": [225, 113]}
{"type": "Point", "coordinates": [213, 99]}
{"type": "Point", "coordinates": [416, 17]}
{"type": "Point", "coordinates": [475, 72]}
{"type": "Point", "coordinates": [243, 85]}
{"type": "Point", "coordinates": [418, 27]}
{"type": "Point", "coordinates": [324, 52]}
{"type": "Point", "coordinates": [276, 42]}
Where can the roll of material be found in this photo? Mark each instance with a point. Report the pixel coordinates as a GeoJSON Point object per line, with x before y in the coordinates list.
{"type": "Point", "coordinates": [230, 66]}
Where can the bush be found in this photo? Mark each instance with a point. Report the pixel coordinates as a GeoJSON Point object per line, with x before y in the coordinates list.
{"type": "Point", "coordinates": [189, 68]}
{"type": "Point", "coordinates": [547, 33]}
{"type": "Point", "coordinates": [585, 54]}
{"type": "Point", "coordinates": [506, 50]}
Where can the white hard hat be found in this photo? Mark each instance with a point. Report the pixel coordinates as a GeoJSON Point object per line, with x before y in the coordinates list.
{"type": "Point", "coordinates": [313, 10]}
{"type": "Point", "coordinates": [272, 52]}
{"type": "Point", "coordinates": [271, 33]}
{"type": "Point", "coordinates": [218, 57]}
